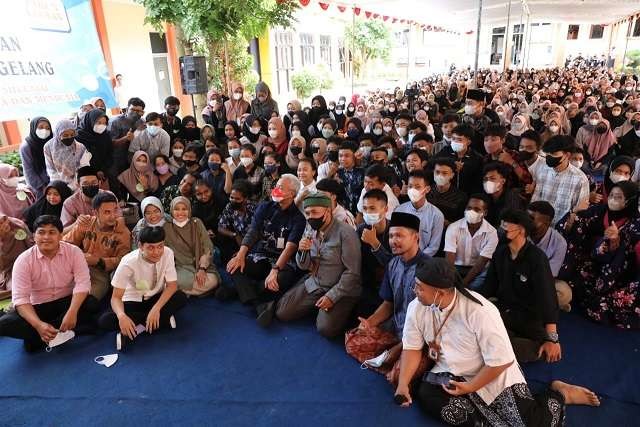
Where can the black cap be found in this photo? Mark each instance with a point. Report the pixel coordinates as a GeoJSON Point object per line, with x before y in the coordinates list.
{"type": "Point", "coordinates": [402, 219]}
{"type": "Point", "coordinates": [441, 274]}
{"type": "Point", "coordinates": [476, 95]}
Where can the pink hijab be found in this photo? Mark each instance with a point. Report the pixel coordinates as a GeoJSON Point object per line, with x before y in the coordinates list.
{"type": "Point", "coordinates": [13, 200]}
{"type": "Point", "coordinates": [131, 177]}
{"type": "Point", "coordinates": [598, 144]}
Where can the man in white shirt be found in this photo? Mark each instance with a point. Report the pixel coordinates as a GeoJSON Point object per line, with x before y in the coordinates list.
{"type": "Point", "coordinates": [469, 243]}
{"type": "Point", "coordinates": [145, 290]}
{"type": "Point", "coordinates": [376, 177]}
{"type": "Point", "coordinates": [475, 379]}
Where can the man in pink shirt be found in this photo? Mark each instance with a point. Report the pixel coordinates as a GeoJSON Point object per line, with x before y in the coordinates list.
{"type": "Point", "coordinates": [50, 289]}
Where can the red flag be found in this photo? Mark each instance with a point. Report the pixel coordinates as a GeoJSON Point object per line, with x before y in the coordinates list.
{"type": "Point", "coordinates": [324, 6]}
{"type": "Point", "coordinates": [367, 14]}
{"type": "Point", "coordinates": [342, 8]}
{"type": "Point", "coordinates": [356, 10]}
{"type": "Point", "coordinates": [385, 18]}
{"type": "Point", "coordinates": [375, 16]}
{"type": "Point", "coordinates": [305, 2]}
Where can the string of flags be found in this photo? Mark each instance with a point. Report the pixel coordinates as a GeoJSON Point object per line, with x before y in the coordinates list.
{"type": "Point", "coordinates": [628, 19]}
{"type": "Point", "coordinates": [359, 11]}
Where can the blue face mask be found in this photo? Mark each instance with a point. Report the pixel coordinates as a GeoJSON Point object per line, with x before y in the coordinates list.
{"type": "Point", "coordinates": [214, 166]}
{"type": "Point", "coordinates": [270, 168]}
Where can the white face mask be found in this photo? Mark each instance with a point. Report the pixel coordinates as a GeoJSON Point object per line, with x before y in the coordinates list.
{"type": "Point", "coordinates": [402, 131]}
{"type": "Point", "coordinates": [107, 360]}
{"type": "Point", "coordinates": [441, 179]}
{"type": "Point", "coordinates": [472, 216]}
{"type": "Point", "coordinates": [469, 110]}
{"type": "Point", "coordinates": [414, 194]}
{"type": "Point", "coordinates": [577, 163]}
{"type": "Point", "coordinates": [177, 152]}
{"type": "Point", "coordinates": [457, 146]}
{"type": "Point", "coordinates": [153, 130]}
{"type": "Point", "coordinates": [234, 152]}
{"type": "Point", "coordinates": [387, 129]}
{"type": "Point", "coordinates": [554, 128]}
{"type": "Point", "coordinates": [295, 134]}
{"type": "Point", "coordinates": [44, 133]}
{"type": "Point", "coordinates": [593, 122]}
{"type": "Point", "coordinates": [360, 113]}
{"type": "Point", "coordinates": [371, 218]}
{"type": "Point", "coordinates": [377, 131]}
{"type": "Point", "coordinates": [616, 177]}
{"type": "Point", "coordinates": [277, 199]}
{"type": "Point", "coordinates": [99, 128]}
{"type": "Point", "coordinates": [246, 161]}
{"type": "Point", "coordinates": [327, 133]}
{"type": "Point", "coordinates": [237, 96]}
{"type": "Point", "coordinates": [254, 130]}
{"type": "Point", "coordinates": [491, 187]}
{"type": "Point", "coordinates": [273, 133]}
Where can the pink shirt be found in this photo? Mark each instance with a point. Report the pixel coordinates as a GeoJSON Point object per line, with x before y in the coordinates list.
{"type": "Point", "coordinates": [37, 279]}
{"type": "Point", "coordinates": [77, 204]}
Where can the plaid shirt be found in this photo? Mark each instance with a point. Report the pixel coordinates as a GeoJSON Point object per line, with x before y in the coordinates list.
{"type": "Point", "coordinates": [563, 190]}
{"type": "Point", "coordinates": [268, 184]}
{"type": "Point", "coordinates": [232, 220]}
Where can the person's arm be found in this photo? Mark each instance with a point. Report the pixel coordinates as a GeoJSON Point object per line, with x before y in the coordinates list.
{"type": "Point", "coordinates": [486, 375]}
{"type": "Point", "coordinates": [74, 234]}
{"type": "Point", "coordinates": [170, 289]}
{"type": "Point", "coordinates": [49, 164]}
{"type": "Point", "coordinates": [490, 288]}
{"type": "Point", "coordinates": [228, 181]}
{"type": "Point", "coordinates": [479, 266]}
{"type": "Point", "coordinates": [557, 258]}
{"type": "Point", "coordinates": [412, 345]}
{"type": "Point", "coordinates": [382, 313]}
{"type": "Point", "coordinates": [435, 234]}
{"type": "Point", "coordinates": [351, 258]}
{"type": "Point", "coordinates": [123, 247]}
{"type": "Point", "coordinates": [289, 251]}
{"type": "Point", "coordinates": [165, 146]}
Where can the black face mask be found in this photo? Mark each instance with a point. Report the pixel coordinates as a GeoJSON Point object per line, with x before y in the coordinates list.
{"type": "Point", "coordinates": [316, 223]}
{"type": "Point", "coordinates": [553, 162]}
{"type": "Point", "coordinates": [296, 150]}
{"type": "Point", "coordinates": [526, 155]}
{"type": "Point", "coordinates": [172, 111]}
{"type": "Point", "coordinates": [502, 237]}
{"type": "Point", "coordinates": [601, 129]}
{"type": "Point", "coordinates": [90, 190]}
{"type": "Point", "coordinates": [235, 205]}
{"type": "Point", "coordinates": [315, 149]}
{"type": "Point", "coordinates": [190, 163]}
{"type": "Point", "coordinates": [67, 141]}
{"type": "Point", "coordinates": [332, 156]}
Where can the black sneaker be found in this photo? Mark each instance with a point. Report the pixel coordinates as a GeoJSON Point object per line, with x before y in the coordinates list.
{"type": "Point", "coordinates": [265, 314]}
{"type": "Point", "coordinates": [226, 293]}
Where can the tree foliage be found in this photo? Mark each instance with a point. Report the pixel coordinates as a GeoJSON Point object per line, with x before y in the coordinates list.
{"type": "Point", "coordinates": [633, 59]}
{"type": "Point", "coordinates": [367, 40]}
{"type": "Point", "coordinates": [305, 82]}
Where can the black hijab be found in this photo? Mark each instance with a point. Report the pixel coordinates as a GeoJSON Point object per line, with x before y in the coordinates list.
{"type": "Point", "coordinates": [190, 134]}
{"type": "Point", "coordinates": [36, 144]}
{"type": "Point", "coordinates": [98, 144]}
{"type": "Point", "coordinates": [42, 206]}
{"type": "Point", "coordinates": [317, 112]}
{"type": "Point", "coordinates": [246, 127]}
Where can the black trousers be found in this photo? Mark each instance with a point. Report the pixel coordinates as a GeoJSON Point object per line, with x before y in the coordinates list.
{"type": "Point", "coordinates": [526, 335]}
{"type": "Point", "coordinates": [250, 283]}
{"type": "Point", "coordinates": [514, 406]}
{"type": "Point", "coordinates": [52, 312]}
{"type": "Point", "coordinates": [138, 311]}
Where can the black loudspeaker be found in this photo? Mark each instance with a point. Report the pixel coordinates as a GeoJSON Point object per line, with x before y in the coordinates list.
{"type": "Point", "coordinates": [193, 74]}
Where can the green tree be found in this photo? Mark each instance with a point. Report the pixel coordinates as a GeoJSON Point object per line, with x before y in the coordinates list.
{"type": "Point", "coordinates": [217, 27]}
{"type": "Point", "coordinates": [633, 59]}
{"type": "Point", "coordinates": [305, 82]}
{"type": "Point", "coordinates": [367, 40]}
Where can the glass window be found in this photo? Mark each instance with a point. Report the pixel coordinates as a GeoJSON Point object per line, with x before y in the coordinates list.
{"type": "Point", "coordinates": [597, 31]}
{"type": "Point", "coordinates": [307, 49]}
{"type": "Point", "coordinates": [636, 29]}
{"type": "Point", "coordinates": [325, 50]}
{"type": "Point", "coordinates": [284, 60]}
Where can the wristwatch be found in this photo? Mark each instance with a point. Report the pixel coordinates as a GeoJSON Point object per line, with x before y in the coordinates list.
{"type": "Point", "coordinates": [552, 337]}
{"type": "Point", "coordinates": [275, 267]}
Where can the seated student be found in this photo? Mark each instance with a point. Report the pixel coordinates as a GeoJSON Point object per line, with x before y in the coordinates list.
{"type": "Point", "coordinates": [375, 250]}
{"type": "Point", "coordinates": [218, 176]}
{"type": "Point", "coordinates": [50, 287]}
{"type": "Point", "coordinates": [530, 145]}
{"type": "Point", "coordinates": [80, 203]}
{"type": "Point", "coordinates": [191, 160]}
{"type": "Point", "coordinates": [192, 248]}
{"type": "Point", "coordinates": [166, 178]}
{"type": "Point", "coordinates": [206, 207]}
{"type": "Point", "coordinates": [50, 203]}
{"type": "Point", "coordinates": [380, 156]}
{"type": "Point", "coordinates": [551, 242]}
{"type": "Point", "coordinates": [330, 251]}
{"type": "Point", "coordinates": [153, 215]}
{"type": "Point", "coordinates": [235, 221]}
{"type": "Point", "coordinates": [145, 290]}
{"type": "Point", "coordinates": [15, 197]}
{"type": "Point", "coordinates": [153, 139]}
{"type": "Point", "coordinates": [501, 196]}
{"type": "Point", "coordinates": [15, 238]}
{"type": "Point", "coordinates": [449, 122]}
{"type": "Point", "coordinates": [468, 342]}
{"type": "Point", "coordinates": [349, 176]}
{"type": "Point", "coordinates": [396, 292]}
{"type": "Point", "coordinates": [184, 189]}
{"type": "Point", "coordinates": [376, 177]}
{"type": "Point", "coordinates": [494, 144]}
{"type": "Point", "coordinates": [272, 172]}
{"type": "Point", "coordinates": [249, 170]}
{"type": "Point", "coordinates": [424, 142]}
{"type": "Point", "coordinates": [138, 181]}
{"type": "Point", "coordinates": [270, 245]}
{"type": "Point", "coordinates": [431, 219]}
{"type": "Point", "coordinates": [103, 239]}
{"type": "Point", "coordinates": [520, 278]}
{"type": "Point", "coordinates": [306, 173]}
{"type": "Point", "coordinates": [469, 243]}
{"type": "Point", "coordinates": [445, 195]}
{"type": "Point", "coordinates": [468, 161]}
{"type": "Point", "coordinates": [333, 190]}
{"type": "Point", "coordinates": [175, 160]}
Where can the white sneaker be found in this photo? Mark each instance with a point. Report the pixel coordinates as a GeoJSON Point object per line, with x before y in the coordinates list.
{"type": "Point", "coordinates": [172, 322]}
{"type": "Point", "coordinates": [119, 341]}
{"type": "Point", "coordinates": [376, 362]}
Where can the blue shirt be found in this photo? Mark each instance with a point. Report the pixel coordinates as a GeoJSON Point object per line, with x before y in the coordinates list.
{"type": "Point", "coordinates": [397, 287]}
{"type": "Point", "coordinates": [555, 248]}
{"type": "Point", "coordinates": [431, 225]}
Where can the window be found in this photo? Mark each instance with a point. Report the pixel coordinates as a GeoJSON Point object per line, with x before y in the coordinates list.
{"type": "Point", "coordinates": [497, 46]}
{"type": "Point", "coordinates": [498, 30]}
{"type": "Point", "coordinates": [158, 43]}
{"type": "Point", "coordinates": [325, 50]}
{"type": "Point", "coordinates": [636, 29]}
{"type": "Point", "coordinates": [307, 49]}
{"type": "Point", "coordinates": [572, 34]}
{"type": "Point", "coordinates": [401, 38]}
{"type": "Point", "coordinates": [597, 31]}
{"type": "Point", "coordinates": [344, 58]}
{"type": "Point", "coordinates": [284, 60]}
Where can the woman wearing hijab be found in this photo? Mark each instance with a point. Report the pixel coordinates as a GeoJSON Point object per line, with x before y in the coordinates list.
{"type": "Point", "coordinates": [278, 135]}
{"type": "Point", "coordinates": [64, 155]}
{"type": "Point", "coordinates": [602, 253]}
{"type": "Point", "coordinates": [295, 152]}
{"type": "Point", "coordinates": [50, 203]}
{"type": "Point", "coordinates": [293, 107]}
{"type": "Point", "coordinates": [15, 197]}
{"type": "Point", "coordinates": [214, 113]}
{"type": "Point", "coordinates": [153, 215]}
{"type": "Point", "coordinates": [93, 134]}
{"type": "Point", "coordinates": [629, 143]}
{"type": "Point", "coordinates": [192, 250]}
{"type": "Point", "coordinates": [253, 132]}
{"type": "Point", "coordinates": [318, 109]}
{"type": "Point", "coordinates": [632, 117]}
{"type": "Point", "coordinates": [620, 169]}
{"type": "Point", "coordinates": [235, 107]}
{"type": "Point", "coordinates": [139, 180]}
{"type": "Point", "coordinates": [519, 125]}
{"type": "Point", "coordinates": [299, 130]}
{"type": "Point", "coordinates": [263, 105]}
{"type": "Point", "coordinates": [599, 141]}
{"type": "Point", "coordinates": [32, 154]}
{"type": "Point", "coordinates": [190, 131]}
{"type": "Point", "coordinates": [15, 238]}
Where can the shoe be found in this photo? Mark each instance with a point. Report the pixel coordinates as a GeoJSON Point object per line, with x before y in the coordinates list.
{"type": "Point", "coordinates": [265, 314]}
{"type": "Point", "coordinates": [226, 293]}
{"type": "Point", "coordinates": [122, 341]}
{"type": "Point", "coordinates": [376, 362]}
{"type": "Point", "coordinates": [172, 322]}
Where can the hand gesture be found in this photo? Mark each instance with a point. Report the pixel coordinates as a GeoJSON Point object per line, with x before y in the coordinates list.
{"type": "Point", "coordinates": [459, 166]}
{"type": "Point", "coordinates": [505, 157]}
{"type": "Point", "coordinates": [271, 282]}
{"type": "Point", "coordinates": [69, 321]}
{"type": "Point", "coordinates": [364, 323]}
{"type": "Point", "coordinates": [612, 233]}
{"type": "Point", "coordinates": [46, 332]}
{"type": "Point", "coordinates": [127, 327]}
{"type": "Point", "coordinates": [552, 351]}
{"type": "Point", "coordinates": [305, 244]}
{"type": "Point", "coordinates": [84, 220]}
{"type": "Point", "coordinates": [153, 320]}
{"type": "Point", "coordinates": [235, 263]}
{"type": "Point", "coordinates": [129, 136]}
{"type": "Point", "coordinates": [370, 237]}
{"type": "Point", "coordinates": [595, 198]}
{"type": "Point", "coordinates": [324, 303]}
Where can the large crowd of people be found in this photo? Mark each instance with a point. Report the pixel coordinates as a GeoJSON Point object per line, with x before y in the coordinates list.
{"type": "Point", "coordinates": [439, 228]}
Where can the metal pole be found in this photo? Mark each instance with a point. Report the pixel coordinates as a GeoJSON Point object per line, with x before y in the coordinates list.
{"type": "Point", "coordinates": [475, 66]}
{"type": "Point", "coordinates": [408, 51]}
{"type": "Point", "coordinates": [506, 39]}
{"type": "Point", "coordinates": [529, 45]}
{"type": "Point", "coordinates": [626, 43]}
{"type": "Point", "coordinates": [353, 27]}
{"type": "Point", "coordinates": [521, 35]}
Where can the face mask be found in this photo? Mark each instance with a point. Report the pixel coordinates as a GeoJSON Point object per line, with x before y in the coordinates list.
{"type": "Point", "coordinates": [315, 149]}
{"type": "Point", "coordinates": [246, 161]}
{"type": "Point", "coordinates": [402, 131]}
{"type": "Point", "coordinates": [339, 111]}
{"type": "Point", "coordinates": [43, 133]}
{"type": "Point", "coordinates": [366, 150]}
{"type": "Point", "coordinates": [377, 131]}
{"type": "Point", "coordinates": [601, 129]}
{"type": "Point", "coordinates": [610, 104]}
{"type": "Point", "coordinates": [353, 133]}
{"type": "Point", "coordinates": [390, 153]}
{"type": "Point", "coordinates": [525, 155]}
{"type": "Point", "coordinates": [190, 163]}
{"type": "Point", "coordinates": [107, 360]}
{"type": "Point", "coordinates": [502, 237]}
{"type": "Point", "coordinates": [327, 133]}
{"type": "Point", "coordinates": [90, 190]}
{"type": "Point", "coordinates": [277, 195]}
{"type": "Point", "coordinates": [577, 163]}
{"type": "Point", "coordinates": [615, 205]}
{"type": "Point", "coordinates": [553, 162]}
{"type": "Point", "coordinates": [360, 113]}
{"type": "Point", "coordinates": [67, 141]}
{"type": "Point", "coordinates": [177, 152]}
{"type": "Point", "coordinates": [153, 130]}
{"type": "Point", "coordinates": [371, 218]}
{"type": "Point", "coordinates": [392, 109]}
{"type": "Point", "coordinates": [270, 168]}
{"type": "Point", "coordinates": [351, 109]}
{"type": "Point", "coordinates": [472, 217]}
{"type": "Point", "coordinates": [578, 94]}
{"type": "Point", "coordinates": [273, 133]}
{"type": "Point", "coordinates": [457, 146]}
{"type": "Point", "coordinates": [295, 134]}
{"type": "Point", "coordinates": [441, 180]}
{"type": "Point", "coordinates": [180, 223]}
{"type": "Point", "coordinates": [616, 177]}
{"type": "Point", "coordinates": [469, 110]}
{"type": "Point", "coordinates": [141, 166]}
{"type": "Point", "coordinates": [491, 187]}
{"type": "Point", "coordinates": [593, 122]}
{"type": "Point", "coordinates": [262, 98]}
{"type": "Point", "coordinates": [214, 166]}
{"type": "Point", "coordinates": [387, 129]}
{"type": "Point", "coordinates": [99, 129]}
{"type": "Point", "coordinates": [163, 169]}
{"type": "Point", "coordinates": [235, 205]}
{"type": "Point", "coordinates": [133, 116]}
{"type": "Point", "coordinates": [254, 130]}
{"type": "Point", "coordinates": [295, 150]}
{"type": "Point", "coordinates": [332, 156]}
{"type": "Point", "coordinates": [414, 194]}
{"type": "Point", "coordinates": [554, 128]}
{"type": "Point", "coordinates": [237, 96]}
